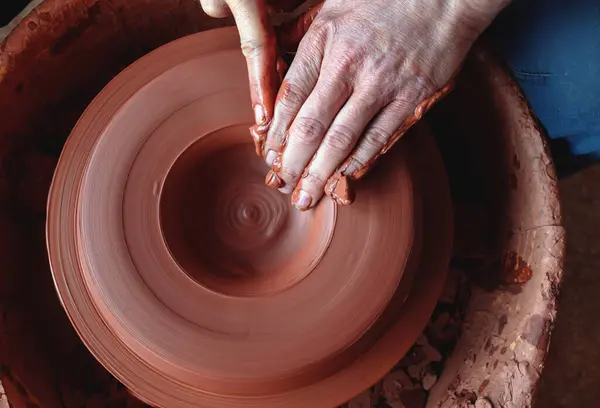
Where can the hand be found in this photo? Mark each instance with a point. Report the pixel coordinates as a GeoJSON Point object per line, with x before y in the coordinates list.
{"type": "Point", "coordinates": [363, 74]}
{"type": "Point", "coordinates": [259, 45]}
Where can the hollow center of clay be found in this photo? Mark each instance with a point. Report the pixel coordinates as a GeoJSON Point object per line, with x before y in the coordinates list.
{"type": "Point", "coordinates": [229, 231]}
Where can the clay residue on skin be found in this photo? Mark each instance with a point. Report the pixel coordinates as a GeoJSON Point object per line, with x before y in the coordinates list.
{"type": "Point", "coordinates": [339, 190]}
{"type": "Point", "coordinates": [273, 179]}
{"type": "Point", "coordinates": [259, 136]}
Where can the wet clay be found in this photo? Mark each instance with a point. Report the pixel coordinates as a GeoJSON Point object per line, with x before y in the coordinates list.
{"type": "Point", "coordinates": [195, 284]}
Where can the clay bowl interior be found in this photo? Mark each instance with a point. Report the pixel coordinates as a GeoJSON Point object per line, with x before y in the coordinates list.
{"type": "Point", "coordinates": [58, 58]}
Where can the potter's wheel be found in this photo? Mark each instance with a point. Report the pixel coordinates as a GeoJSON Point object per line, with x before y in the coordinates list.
{"type": "Point", "coordinates": [195, 284]}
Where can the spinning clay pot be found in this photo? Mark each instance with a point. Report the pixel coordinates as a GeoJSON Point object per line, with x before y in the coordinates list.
{"type": "Point", "coordinates": [195, 284]}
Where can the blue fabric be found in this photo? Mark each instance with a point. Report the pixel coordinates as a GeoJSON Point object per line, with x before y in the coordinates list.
{"type": "Point", "coordinates": [553, 49]}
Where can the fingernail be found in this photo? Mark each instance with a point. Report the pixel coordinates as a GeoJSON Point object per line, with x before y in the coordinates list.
{"type": "Point", "coordinates": [260, 116]}
{"type": "Point", "coordinates": [273, 180]}
{"type": "Point", "coordinates": [271, 155]}
{"type": "Point", "coordinates": [276, 165]}
{"type": "Point", "coordinates": [301, 200]}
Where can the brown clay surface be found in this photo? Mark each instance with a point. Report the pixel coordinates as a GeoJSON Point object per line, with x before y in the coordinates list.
{"type": "Point", "coordinates": [195, 284]}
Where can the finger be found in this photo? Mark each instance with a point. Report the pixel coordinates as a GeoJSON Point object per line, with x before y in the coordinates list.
{"type": "Point", "coordinates": [377, 142]}
{"type": "Point", "coordinates": [310, 125]}
{"type": "Point", "coordinates": [297, 85]}
{"type": "Point", "coordinates": [390, 124]}
{"type": "Point", "coordinates": [260, 49]}
{"type": "Point", "coordinates": [384, 131]}
{"type": "Point", "coordinates": [291, 33]}
{"type": "Point", "coordinates": [338, 143]}
{"type": "Point", "coordinates": [216, 8]}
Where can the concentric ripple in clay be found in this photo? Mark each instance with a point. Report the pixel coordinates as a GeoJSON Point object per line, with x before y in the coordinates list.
{"type": "Point", "coordinates": [244, 239]}
{"type": "Point", "coordinates": [198, 286]}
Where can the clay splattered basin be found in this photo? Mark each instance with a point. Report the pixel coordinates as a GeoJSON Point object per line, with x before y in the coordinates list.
{"type": "Point", "coordinates": [58, 59]}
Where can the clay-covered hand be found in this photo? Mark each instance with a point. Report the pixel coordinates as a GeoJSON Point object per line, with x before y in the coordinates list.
{"type": "Point", "coordinates": [259, 45]}
{"type": "Point", "coordinates": [365, 71]}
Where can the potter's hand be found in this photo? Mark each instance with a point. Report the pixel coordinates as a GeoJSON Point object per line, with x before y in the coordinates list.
{"type": "Point", "coordinates": [365, 72]}
{"type": "Point", "coordinates": [259, 45]}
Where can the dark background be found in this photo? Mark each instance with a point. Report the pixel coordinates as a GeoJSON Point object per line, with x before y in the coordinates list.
{"type": "Point", "coordinates": [9, 9]}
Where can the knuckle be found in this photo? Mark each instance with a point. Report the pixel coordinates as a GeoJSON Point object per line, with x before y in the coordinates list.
{"type": "Point", "coordinates": [316, 179]}
{"type": "Point", "coordinates": [317, 33]}
{"type": "Point", "coordinates": [275, 138]}
{"type": "Point", "coordinates": [401, 105]}
{"type": "Point", "coordinates": [412, 86]}
{"type": "Point", "coordinates": [289, 175]}
{"type": "Point", "coordinates": [346, 63]}
{"type": "Point", "coordinates": [358, 162]}
{"type": "Point", "coordinates": [373, 90]}
{"type": "Point", "coordinates": [320, 29]}
{"type": "Point", "coordinates": [339, 83]}
{"type": "Point", "coordinates": [339, 138]}
{"type": "Point", "coordinates": [307, 61]}
{"type": "Point", "coordinates": [290, 97]}
{"type": "Point", "coordinates": [354, 163]}
{"type": "Point", "coordinates": [308, 131]}
{"type": "Point", "coordinates": [406, 99]}
{"type": "Point", "coordinates": [253, 48]}
{"type": "Point", "coordinates": [215, 8]}
{"type": "Point", "coordinates": [375, 138]}
{"type": "Point", "coordinates": [323, 29]}
{"type": "Point", "coordinates": [420, 84]}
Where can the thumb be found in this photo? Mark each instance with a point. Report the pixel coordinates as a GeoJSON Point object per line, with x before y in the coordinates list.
{"type": "Point", "coordinates": [215, 8]}
{"type": "Point", "coordinates": [259, 46]}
